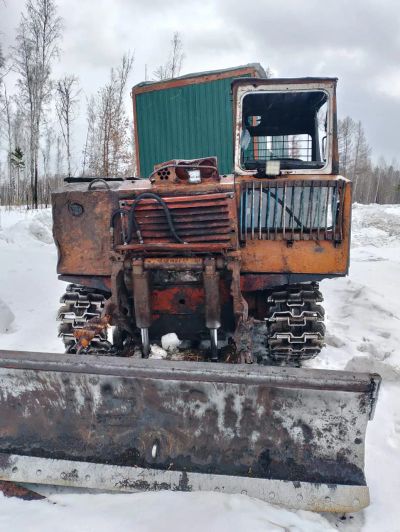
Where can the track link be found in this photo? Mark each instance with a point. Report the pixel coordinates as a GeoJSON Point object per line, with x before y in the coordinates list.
{"type": "Point", "coordinates": [295, 323]}
{"type": "Point", "coordinates": [78, 305]}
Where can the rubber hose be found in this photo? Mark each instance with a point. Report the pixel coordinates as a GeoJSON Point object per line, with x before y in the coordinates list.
{"type": "Point", "coordinates": [134, 226]}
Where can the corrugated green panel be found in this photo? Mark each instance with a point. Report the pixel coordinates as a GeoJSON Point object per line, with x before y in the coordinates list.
{"type": "Point", "coordinates": [186, 123]}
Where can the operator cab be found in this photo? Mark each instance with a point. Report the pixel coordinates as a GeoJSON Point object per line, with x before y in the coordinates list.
{"type": "Point", "coordinates": [284, 126]}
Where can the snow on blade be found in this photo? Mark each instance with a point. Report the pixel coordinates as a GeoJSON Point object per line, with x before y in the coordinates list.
{"type": "Point", "coordinates": [170, 342]}
{"type": "Point", "coordinates": [157, 352]}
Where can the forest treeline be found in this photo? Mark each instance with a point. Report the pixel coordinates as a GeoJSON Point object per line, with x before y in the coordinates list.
{"type": "Point", "coordinates": [377, 182]}
{"type": "Point", "coordinates": [38, 114]}
{"type": "Point", "coordinates": [38, 120]}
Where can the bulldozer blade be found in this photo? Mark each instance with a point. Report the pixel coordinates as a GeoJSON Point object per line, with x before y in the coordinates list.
{"type": "Point", "coordinates": [289, 436]}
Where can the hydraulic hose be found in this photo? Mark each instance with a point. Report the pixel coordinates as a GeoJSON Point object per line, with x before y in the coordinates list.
{"type": "Point", "coordinates": [114, 214]}
{"type": "Point", "coordinates": [134, 226]}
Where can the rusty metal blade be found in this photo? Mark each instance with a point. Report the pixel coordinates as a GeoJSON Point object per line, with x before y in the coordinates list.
{"type": "Point", "coordinates": [251, 422]}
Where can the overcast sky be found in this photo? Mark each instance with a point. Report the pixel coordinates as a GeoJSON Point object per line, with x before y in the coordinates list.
{"type": "Point", "coordinates": [357, 41]}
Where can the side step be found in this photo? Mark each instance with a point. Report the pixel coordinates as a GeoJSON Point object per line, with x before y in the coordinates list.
{"type": "Point", "coordinates": [286, 435]}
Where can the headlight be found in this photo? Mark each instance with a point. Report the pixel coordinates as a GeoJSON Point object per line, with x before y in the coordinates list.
{"type": "Point", "coordinates": [194, 176]}
{"type": "Point", "coordinates": [272, 168]}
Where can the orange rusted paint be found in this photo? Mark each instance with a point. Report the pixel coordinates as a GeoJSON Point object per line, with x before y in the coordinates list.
{"type": "Point", "coordinates": [304, 256]}
{"type": "Point", "coordinates": [83, 241]}
{"type": "Point", "coordinates": [184, 299]}
{"type": "Point", "coordinates": [178, 300]}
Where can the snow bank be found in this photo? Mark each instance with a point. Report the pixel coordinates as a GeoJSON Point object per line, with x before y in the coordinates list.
{"type": "Point", "coordinates": [155, 512]}
{"type": "Point", "coordinates": [375, 225]}
{"type": "Point", "coordinates": [28, 281]}
{"type": "Point", "coordinates": [35, 226]}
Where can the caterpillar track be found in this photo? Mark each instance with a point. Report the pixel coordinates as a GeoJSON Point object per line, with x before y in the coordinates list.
{"type": "Point", "coordinates": [295, 323]}
{"type": "Point", "coordinates": [79, 305]}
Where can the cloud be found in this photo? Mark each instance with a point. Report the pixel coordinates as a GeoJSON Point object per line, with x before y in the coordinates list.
{"type": "Point", "coordinates": [357, 41]}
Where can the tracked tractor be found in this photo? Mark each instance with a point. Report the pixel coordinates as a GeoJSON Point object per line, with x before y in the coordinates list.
{"type": "Point", "coordinates": [225, 249]}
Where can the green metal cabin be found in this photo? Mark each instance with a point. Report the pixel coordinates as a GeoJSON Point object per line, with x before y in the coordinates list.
{"type": "Point", "coordinates": [186, 118]}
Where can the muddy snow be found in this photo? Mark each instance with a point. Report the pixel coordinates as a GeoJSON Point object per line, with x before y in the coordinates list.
{"type": "Point", "coordinates": [363, 323]}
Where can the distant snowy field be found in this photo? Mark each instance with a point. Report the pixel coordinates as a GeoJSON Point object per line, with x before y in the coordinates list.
{"type": "Point", "coordinates": [363, 323]}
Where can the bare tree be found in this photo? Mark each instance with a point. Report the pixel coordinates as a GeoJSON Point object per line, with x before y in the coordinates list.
{"type": "Point", "coordinates": [19, 131]}
{"type": "Point", "coordinates": [59, 156]}
{"type": "Point", "coordinates": [91, 149]}
{"type": "Point", "coordinates": [46, 149]}
{"type": "Point", "coordinates": [37, 39]}
{"type": "Point", "coordinates": [346, 128]}
{"type": "Point", "coordinates": [107, 150]}
{"type": "Point", "coordinates": [360, 170]}
{"type": "Point", "coordinates": [5, 118]}
{"type": "Point", "coordinates": [377, 184]}
{"type": "Point", "coordinates": [172, 68]}
{"type": "Point", "coordinates": [67, 99]}
{"type": "Point", "coordinates": [2, 63]}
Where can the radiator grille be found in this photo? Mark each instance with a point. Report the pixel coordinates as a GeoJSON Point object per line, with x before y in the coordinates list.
{"type": "Point", "coordinates": [205, 218]}
{"type": "Point", "coordinates": [292, 210]}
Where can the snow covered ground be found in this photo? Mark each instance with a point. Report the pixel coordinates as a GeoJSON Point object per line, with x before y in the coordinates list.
{"type": "Point", "coordinates": [363, 322]}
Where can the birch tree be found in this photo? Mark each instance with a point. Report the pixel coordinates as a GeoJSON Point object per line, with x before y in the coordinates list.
{"type": "Point", "coordinates": [66, 102]}
{"type": "Point", "coordinates": [5, 124]}
{"type": "Point", "coordinates": [36, 48]}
